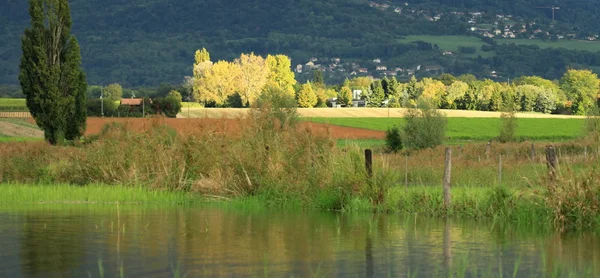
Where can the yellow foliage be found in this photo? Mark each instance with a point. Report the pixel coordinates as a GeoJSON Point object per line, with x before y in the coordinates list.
{"type": "Point", "coordinates": [307, 97]}
{"type": "Point", "coordinates": [455, 91]}
{"type": "Point", "coordinates": [218, 83]}
{"type": "Point", "coordinates": [433, 90]}
{"type": "Point", "coordinates": [280, 72]}
{"type": "Point", "coordinates": [253, 76]}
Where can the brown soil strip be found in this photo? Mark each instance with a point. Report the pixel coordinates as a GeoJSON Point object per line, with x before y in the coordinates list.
{"type": "Point", "coordinates": [94, 126]}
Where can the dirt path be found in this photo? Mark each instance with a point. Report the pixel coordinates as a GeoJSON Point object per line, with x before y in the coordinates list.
{"type": "Point", "coordinates": [233, 113]}
{"type": "Point", "coordinates": [15, 130]}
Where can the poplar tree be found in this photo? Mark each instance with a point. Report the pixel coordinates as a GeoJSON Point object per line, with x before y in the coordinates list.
{"type": "Point", "coordinates": [51, 76]}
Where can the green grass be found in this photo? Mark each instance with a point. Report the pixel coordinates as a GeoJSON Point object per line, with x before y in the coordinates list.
{"type": "Point", "coordinates": [13, 104]}
{"type": "Point", "coordinates": [568, 44]}
{"type": "Point", "coordinates": [478, 129]}
{"type": "Point", "coordinates": [191, 105]}
{"type": "Point", "coordinates": [362, 143]}
{"type": "Point", "coordinates": [451, 43]}
{"type": "Point", "coordinates": [91, 194]}
{"type": "Point", "coordinates": [7, 139]}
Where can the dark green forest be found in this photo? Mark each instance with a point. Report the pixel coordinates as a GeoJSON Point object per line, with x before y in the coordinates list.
{"type": "Point", "coordinates": [148, 42]}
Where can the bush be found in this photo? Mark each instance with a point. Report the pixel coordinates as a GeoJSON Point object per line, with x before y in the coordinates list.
{"type": "Point", "coordinates": [393, 140]}
{"type": "Point", "coordinates": [508, 123]}
{"type": "Point", "coordinates": [425, 127]}
{"type": "Point", "coordinates": [467, 49]}
{"type": "Point", "coordinates": [281, 105]}
{"type": "Point", "coordinates": [592, 123]}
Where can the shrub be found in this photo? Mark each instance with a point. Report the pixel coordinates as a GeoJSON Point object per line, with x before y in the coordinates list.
{"type": "Point", "coordinates": [393, 140]}
{"type": "Point", "coordinates": [425, 127]}
{"type": "Point", "coordinates": [282, 106]}
{"type": "Point", "coordinates": [592, 123]}
{"type": "Point", "coordinates": [508, 122]}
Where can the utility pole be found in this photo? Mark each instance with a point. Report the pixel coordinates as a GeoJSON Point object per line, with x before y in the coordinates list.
{"type": "Point", "coordinates": [553, 8]}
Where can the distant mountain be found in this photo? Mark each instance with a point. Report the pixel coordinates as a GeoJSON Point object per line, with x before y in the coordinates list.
{"type": "Point", "coordinates": [147, 42]}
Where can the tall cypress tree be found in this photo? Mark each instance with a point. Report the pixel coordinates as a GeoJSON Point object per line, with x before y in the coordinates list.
{"type": "Point", "coordinates": [50, 72]}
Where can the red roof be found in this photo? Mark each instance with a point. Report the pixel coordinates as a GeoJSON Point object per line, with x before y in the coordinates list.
{"type": "Point", "coordinates": [131, 101]}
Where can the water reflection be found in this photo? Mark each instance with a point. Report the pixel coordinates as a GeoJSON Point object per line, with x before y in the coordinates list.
{"type": "Point", "coordinates": [77, 241]}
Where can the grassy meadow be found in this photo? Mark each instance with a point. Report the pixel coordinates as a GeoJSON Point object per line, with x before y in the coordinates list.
{"type": "Point", "coordinates": [450, 43]}
{"type": "Point", "coordinates": [478, 129]}
{"type": "Point", "coordinates": [593, 46]}
{"type": "Point", "coordinates": [13, 104]}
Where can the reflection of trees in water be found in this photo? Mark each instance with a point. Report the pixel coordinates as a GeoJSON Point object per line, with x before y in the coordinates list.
{"type": "Point", "coordinates": [228, 242]}
{"type": "Point", "coordinates": [51, 246]}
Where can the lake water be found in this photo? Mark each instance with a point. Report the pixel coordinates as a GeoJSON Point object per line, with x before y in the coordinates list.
{"type": "Point", "coordinates": [101, 241]}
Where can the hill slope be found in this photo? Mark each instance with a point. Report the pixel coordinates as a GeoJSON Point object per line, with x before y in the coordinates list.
{"type": "Point", "coordinates": [146, 42]}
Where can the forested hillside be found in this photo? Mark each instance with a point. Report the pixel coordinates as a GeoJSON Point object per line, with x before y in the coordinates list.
{"type": "Point", "coordinates": [148, 42]}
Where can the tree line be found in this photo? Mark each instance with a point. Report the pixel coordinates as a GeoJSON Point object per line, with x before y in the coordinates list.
{"type": "Point", "coordinates": [241, 82]}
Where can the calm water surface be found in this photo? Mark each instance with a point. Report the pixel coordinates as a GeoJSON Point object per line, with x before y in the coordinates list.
{"type": "Point", "coordinates": [101, 241]}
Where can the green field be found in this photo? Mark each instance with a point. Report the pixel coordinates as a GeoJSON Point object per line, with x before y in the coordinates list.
{"type": "Point", "coordinates": [568, 44]}
{"type": "Point", "coordinates": [13, 104]}
{"type": "Point", "coordinates": [191, 105]}
{"type": "Point", "coordinates": [451, 43]}
{"type": "Point", "coordinates": [478, 129]}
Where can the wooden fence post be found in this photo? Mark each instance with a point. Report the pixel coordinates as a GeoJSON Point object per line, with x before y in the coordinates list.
{"type": "Point", "coordinates": [447, 178]}
{"type": "Point", "coordinates": [487, 149]}
{"type": "Point", "coordinates": [369, 162]}
{"type": "Point", "coordinates": [551, 160]}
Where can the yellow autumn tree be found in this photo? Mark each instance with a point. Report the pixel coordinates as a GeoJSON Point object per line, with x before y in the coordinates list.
{"type": "Point", "coordinates": [253, 72]}
{"type": "Point", "coordinates": [219, 82]}
{"type": "Point", "coordinates": [346, 95]}
{"type": "Point", "coordinates": [280, 73]}
{"type": "Point", "coordinates": [202, 64]}
{"type": "Point", "coordinates": [306, 96]}
{"type": "Point", "coordinates": [433, 90]}
{"type": "Point", "coordinates": [455, 91]}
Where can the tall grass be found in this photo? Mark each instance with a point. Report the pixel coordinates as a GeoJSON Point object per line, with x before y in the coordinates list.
{"type": "Point", "coordinates": [278, 164]}
{"type": "Point", "coordinates": [13, 194]}
{"type": "Point", "coordinates": [264, 158]}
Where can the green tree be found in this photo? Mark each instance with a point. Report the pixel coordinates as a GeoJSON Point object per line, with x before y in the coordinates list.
{"type": "Point", "coordinates": [306, 96]}
{"type": "Point", "coordinates": [51, 76]}
{"type": "Point", "coordinates": [113, 92]}
{"type": "Point", "coordinates": [377, 95]}
{"type": "Point", "coordinates": [318, 77]}
{"type": "Point", "coordinates": [581, 87]}
{"type": "Point", "coordinates": [425, 127]}
{"type": "Point", "coordinates": [176, 95]}
{"type": "Point", "coordinates": [454, 92]}
{"type": "Point", "coordinates": [508, 122]}
{"type": "Point", "coordinates": [447, 79]}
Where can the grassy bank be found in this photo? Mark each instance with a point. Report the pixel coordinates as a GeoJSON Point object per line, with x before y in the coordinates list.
{"type": "Point", "coordinates": [14, 194]}
{"type": "Point", "coordinates": [279, 165]}
{"type": "Point", "coordinates": [478, 129]}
